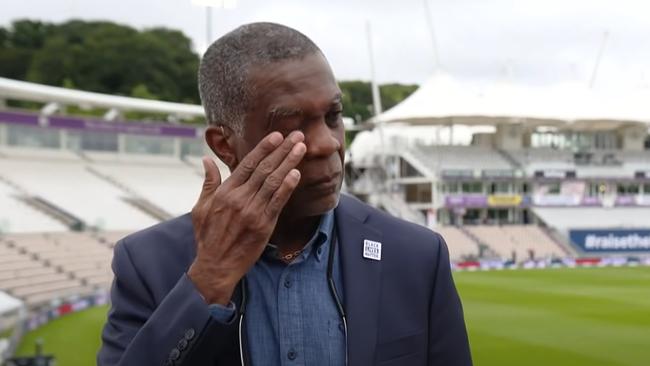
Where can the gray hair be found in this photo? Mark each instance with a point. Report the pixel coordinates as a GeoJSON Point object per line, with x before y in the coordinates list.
{"type": "Point", "coordinates": [224, 85]}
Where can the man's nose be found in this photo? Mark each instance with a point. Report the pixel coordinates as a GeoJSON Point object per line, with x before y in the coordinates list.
{"type": "Point", "coordinates": [320, 141]}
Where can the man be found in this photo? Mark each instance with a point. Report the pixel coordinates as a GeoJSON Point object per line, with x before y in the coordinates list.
{"type": "Point", "coordinates": [273, 266]}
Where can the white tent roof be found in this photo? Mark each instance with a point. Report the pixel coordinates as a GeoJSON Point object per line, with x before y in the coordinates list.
{"type": "Point", "coordinates": [444, 100]}
{"type": "Point", "coordinates": [8, 303]}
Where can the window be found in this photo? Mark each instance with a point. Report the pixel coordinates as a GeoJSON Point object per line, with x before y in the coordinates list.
{"type": "Point", "coordinates": [92, 141]}
{"type": "Point", "coordinates": [499, 187]}
{"type": "Point", "coordinates": [418, 193]}
{"type": "Point", "coordinates": [554, 188]}
{"type": "Point", "coordinates": [646, 189]}
{"type": "Point", "coordinates": [472, 187]}
{"type": "Point", "coordinates": [33, 136]}
{"type": "Point", "coordinates": [407, 170]}
{"type": "Point", "coordinates": [193, 147]}
{"type": "Point", "coordinates": [149, 145]}
{"type": "Point", "coordinates": [627, 189]}
{"type": "Point", "coordinates": [450, 187]}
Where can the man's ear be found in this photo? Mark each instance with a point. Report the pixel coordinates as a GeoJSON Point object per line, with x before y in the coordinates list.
{"type": "Point", "coordinates": [219, 139]}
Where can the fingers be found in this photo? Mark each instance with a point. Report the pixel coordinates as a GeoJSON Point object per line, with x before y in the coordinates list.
{"type": "Point", "coordinates": [269, 164]}
{"type": "Point", "coordinates": [282, 194]}
{"type": "Point", "coordinates": [248, 165]}
{"type": "Point", "coordinates": [212, 179]}
{"type": "Point", "coordinates": [274, 180]}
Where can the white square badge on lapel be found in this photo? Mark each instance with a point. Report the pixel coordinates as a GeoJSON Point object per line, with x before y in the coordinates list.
{"type": "Point", "coordinates": [372, 249]}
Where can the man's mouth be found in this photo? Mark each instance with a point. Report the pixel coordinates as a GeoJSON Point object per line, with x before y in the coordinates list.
{"type": "Point", "coordinates": [324, 184]}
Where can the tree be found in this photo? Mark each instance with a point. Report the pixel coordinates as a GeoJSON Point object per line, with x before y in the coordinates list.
{"type": "Point", "coordinates": [101, 56]}
{"type": "Point", "coordinates": [357, 97]}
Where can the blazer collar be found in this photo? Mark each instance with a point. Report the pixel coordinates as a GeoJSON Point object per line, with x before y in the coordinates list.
{"type": "Point", "coordinates": [361, 279]}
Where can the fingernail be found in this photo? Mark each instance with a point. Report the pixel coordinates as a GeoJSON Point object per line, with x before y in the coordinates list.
{"type": "Point", "coordinates": [295, 173]}
{"type": "Point", "coordinates": [276, 138]}
{"type": "Point", "coordinates": [296, 137]}
{"type": "Point", "coordinates": [299, 148]}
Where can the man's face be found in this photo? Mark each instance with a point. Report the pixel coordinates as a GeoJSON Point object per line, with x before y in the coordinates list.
{"type": "Point", "coordinates": [301, 95]}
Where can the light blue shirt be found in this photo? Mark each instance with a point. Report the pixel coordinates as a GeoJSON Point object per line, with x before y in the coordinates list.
{"type": "Point", "coordinates": [291, 316]}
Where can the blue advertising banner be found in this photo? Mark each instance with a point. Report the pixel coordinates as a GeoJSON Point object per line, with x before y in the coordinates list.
{"type": "Point", "coordinates": [623, 240]}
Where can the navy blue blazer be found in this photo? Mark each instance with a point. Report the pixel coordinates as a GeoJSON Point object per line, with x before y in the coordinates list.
{"type": "Point", "coordinates": [402, 310]}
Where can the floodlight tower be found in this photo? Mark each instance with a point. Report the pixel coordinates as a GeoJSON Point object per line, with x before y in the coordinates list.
{"type": "Point", "coordinates": [209, 4]}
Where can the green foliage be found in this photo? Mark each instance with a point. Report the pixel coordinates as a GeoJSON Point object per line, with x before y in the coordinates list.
{"type": "Point", "coordinates": [103, 57]}
{"type": "Point", "coordinates": [357, 97]}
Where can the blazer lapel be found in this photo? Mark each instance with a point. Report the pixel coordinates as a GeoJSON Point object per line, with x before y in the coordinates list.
{"type": "Point", "coordinates": [361, 280]}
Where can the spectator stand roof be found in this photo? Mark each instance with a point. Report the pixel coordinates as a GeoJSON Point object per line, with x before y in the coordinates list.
{"type": "Point", "coordinates": [443, 100]}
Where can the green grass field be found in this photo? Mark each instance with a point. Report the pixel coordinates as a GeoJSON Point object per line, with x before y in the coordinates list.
{"type": "Point", "coordinates": [73, 339]}
{"type": "Point", "coordinates": [572, 317]}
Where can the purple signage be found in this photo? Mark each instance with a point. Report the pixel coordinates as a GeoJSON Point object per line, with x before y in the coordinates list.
{"type": "Point", "coordinates": [626, 201]}
{"type": "Point", "coordinates": [476, 200]}
{"type": "Point", "coordinates": [96, 125]}
{"type": "Point", "coordinates": [18, 118]}
{"type": "Point", "coordinates": [591, 201]}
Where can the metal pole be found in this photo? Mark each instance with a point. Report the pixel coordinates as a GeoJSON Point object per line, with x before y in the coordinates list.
{"type": "Point", "coordinates": [432, 31]}
{"type": "Point", "coordinates": [208, 26]}
{"type": "Point", "coordinates": [376, 96]}
{"type": "Point", "coordinates": [376, 104]}
{"type": "Point", "coordinates": [592, 81]}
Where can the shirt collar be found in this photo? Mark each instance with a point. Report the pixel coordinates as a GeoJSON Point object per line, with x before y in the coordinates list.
{"type": "Point", "coordinates": [324, 231]}
{"type": "Point", "coordinates": [321, 236]}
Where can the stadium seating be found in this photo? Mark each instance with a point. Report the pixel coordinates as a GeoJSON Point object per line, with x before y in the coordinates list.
{"type": "Point", "coordinates": [42, 267]}
{"type": "Point", "coordinates": [460, 157]}
{"type": "Point", "coordinates": [460, 245]}
{"type": "Point", "coordinates": [517, 239]}
{"type": "Point", "coordinates": [97, 188]}
{"type": "Point", "coordinates": [173, 187]}
{"type": "Point", "coordinates": [70, 186]}
{"type": "Point", "coordinates": [17, 216]}
{"type": "Point", "coordinates": [543, 159]}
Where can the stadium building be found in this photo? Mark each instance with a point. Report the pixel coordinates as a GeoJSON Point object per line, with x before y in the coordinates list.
{"type": "Point", "coordinates": [514, 173]}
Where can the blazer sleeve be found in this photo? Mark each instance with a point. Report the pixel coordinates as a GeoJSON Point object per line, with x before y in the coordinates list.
{"type": "Point", "coordinates": [448, 342]}
{"type": "Point", "coordinates": [139, 332]}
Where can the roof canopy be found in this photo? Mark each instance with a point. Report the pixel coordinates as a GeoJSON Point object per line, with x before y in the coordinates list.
{"type": "Point", "coordinates": [22, 90]}
{"type": "Point", "coordinates": [444, 100]}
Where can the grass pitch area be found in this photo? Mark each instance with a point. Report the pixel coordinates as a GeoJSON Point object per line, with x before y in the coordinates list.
{"type": "Point", "coordinates": [73, 339]}
{"type": "Point", "coordinates": [572, 317]}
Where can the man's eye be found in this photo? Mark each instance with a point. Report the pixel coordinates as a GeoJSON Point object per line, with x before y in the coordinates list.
{"type": "Point", "coordinates": [333, 118]}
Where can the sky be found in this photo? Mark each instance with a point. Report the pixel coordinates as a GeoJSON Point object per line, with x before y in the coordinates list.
{"type": "Point", "coordinates": [533, 42]}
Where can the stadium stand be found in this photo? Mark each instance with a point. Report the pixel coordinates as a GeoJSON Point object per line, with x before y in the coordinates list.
{"type": "Point", "coordinates": [518, 241]}
{"type": "Point", "coordinates": [461, 157]}
{"type": "Point", "coordinates": [69, 186]}
{"type": "Point", "coordinates": [17, 216]}
{"type": "Point", "coordinates": [565, 218]}
{"type": "Point", "coordinates": [41, 267]}
{"type": "Point", "coordinates": [460, 245]}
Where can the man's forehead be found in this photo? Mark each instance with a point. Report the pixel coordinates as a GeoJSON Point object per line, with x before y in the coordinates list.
{"type": "Point", "coordinates": [299, 106]}
{"type": "Point", "coordinates": [293, 75]}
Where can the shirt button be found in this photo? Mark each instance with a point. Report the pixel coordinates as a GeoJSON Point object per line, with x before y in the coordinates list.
{"type": "Point", "coordinates": [291, 355]}
{"type": "Point", "coordinates": [341, 327]}
{"type": "Point", "coordinates": [288, 283]}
